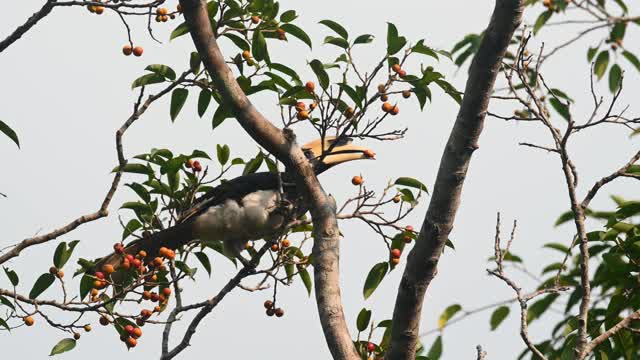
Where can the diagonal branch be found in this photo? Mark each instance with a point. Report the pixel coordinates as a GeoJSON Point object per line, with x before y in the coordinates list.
{"type": "Point", "coordinates": [438, 222]}
{"type": "Point", "coordinates": [31, 21]}
{"type": "Point", "coordinates": [282, 145]}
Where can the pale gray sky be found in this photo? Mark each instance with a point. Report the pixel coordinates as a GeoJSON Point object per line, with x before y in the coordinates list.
{"type": "Point", "coordinates": [66, 89]}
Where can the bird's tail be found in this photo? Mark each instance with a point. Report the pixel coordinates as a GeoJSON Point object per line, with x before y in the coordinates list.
{"type": "Point", "coordinates": [171, 238]}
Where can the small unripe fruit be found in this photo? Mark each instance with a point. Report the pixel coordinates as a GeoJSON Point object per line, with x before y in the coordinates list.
{"type": "Point", "coordinates": [408, 228]}
{"type": "Point", "coordinates": [396, 67]}
{"type": "Point", "coordinates": [286, 243]}
{"type": "Point", "coordinates": [255, 19]}
{"type": "Point", "coordinates": [76, 336]}
{"type": "Point", "coordinates": [371, 347]}
{"type": "Point", "coordinates": [94, 292]}
{"type": "Point", "coordinates": [274, 247]}
{"type": "Point", "coordinates": [281, 33]}
{"type": "Point", "coordinates": [381, 88]}
{"type": "Point", "coordinates": [406, 94]}
{"type": "Point", "coordinates": [87, 328]}
{"type": "Point", "coordinates": [137, 332]}
{"type": "Point", "coordinates": [162, 11]}
{"type": "Point", "coordinates": [270, 312]}
{"type": "Point", "coordinates": [99, 9]}
{"type": "Point", "coordinates": [268, 304]}
{"type": "Point", "coordinates": [246, 54]}
{"type": "Point", "coordinates": [136, 263]}
{"type": "Point", "coordinates": [407, 239]}
{"type": "Point", "coordinates": [302, 115]}
{"type": "Point", "coordinates": [396, 199]}
{"type": "Point", "coordinates": [310, 86]}
{"type": "Point", "coordinates": [104, 321]}
{"type": "Point", "coordinates": [157, 261]}
{"type": "Point", "coordinates": [349, 112]}
{"type": "Point", "coordinates": [163, 251]}
{"type": "Point", "coordinates": [162, 299]}
{"type": "Point", "coordinates": [357, 180]}
{"type": "Point", "coordinates": [300, 106]}
{"type": "Point", "coordinates": [179, 8]}
{"type": "Point", "coordinates": [60, 274]}
{"type": "Point", "coordinates": [166, 291]}
{"type": "Point", "coordinates": [402, 73]}
{"type": "Point", "coordinates": [128, 329]}
{"type": "Point", "coordinates": [395, 253]}
{"type": "Point", "coordinates": [395, 110]}
{"type": "Point", "coordinates": [98, 284]}
{"type": "Point", "coordinates": [146, 295]}
{"type": "Point", "coordinates": [279, 312]}
{"type": "Point", "coordinates": [248, 245]}
{"type": "Point", "coordinates": [53, 270]}
{"type": "Point", "coordinates": [138, 50]}
{"type": "Point", "coordinates": [142, 254]}
{"type": "Point", "coordinates": [172, 16]}
{"type": "Point", "coordinates": [28, 320]}
{"type": "Point", "coordinates": [127, 50]}
{"type": "Point", "coordinates": [384, 97]}
{"type": "Point", "coordinates": [158, 18]}
{"type": "Point", "coordinates": [131, 342]}
{"type": "Point", "coordinates": [157, 309]}
{"type": "Point", "coordinates": [145, 313]}
{"type": "Point", "coordinates": [369, 154]}
{"type": "Point", "coordinates": [118, 248]}
{"type": "Point", "coordinates": [197, 167]}
{"type": "Point", "coordinates": [155, 297]}
{"type": "Point", "coordinates": [313, 105]}
{"type": "Point", "coordinates": [99, 275]}
{"type": "Point", "coordinates": [250, 62]}
{"type": "Point", "coordinates": [140, 322]}
{"type": "Point", "coordinates": [126, 264]}
{"type": "Point", "coordinates": [108, 269]}
{"type": "Point", "coordinates": [172, 254]}
{"type": "Point", "coordinates": [395, 261]}
{"type": "Point", "coordinates": [387, 107]}
{"type": "Point", "coordinates": [129, 257]}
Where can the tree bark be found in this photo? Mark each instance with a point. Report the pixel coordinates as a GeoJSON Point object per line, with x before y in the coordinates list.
{"type": "Point", "coordinates": [281, 143]}
{"type": "Point", "coordinates": [463, 141]}
{"type": "Point", "coordinates": [31, 21]}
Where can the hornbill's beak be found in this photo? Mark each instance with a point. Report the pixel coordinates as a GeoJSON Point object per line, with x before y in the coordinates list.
{"type": "Point", "coordinates": [334, 151]}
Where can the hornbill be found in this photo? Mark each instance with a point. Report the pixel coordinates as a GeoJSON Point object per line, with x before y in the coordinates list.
{"type": "Point", "coordinates": [249, 207]}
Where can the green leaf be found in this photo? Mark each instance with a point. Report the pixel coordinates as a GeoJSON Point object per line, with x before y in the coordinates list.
{"type": "Point", "coordinates": [337, 41]}
{"type": "Point", "coordinates": [288, 16]}
{"type": "Point", "coordinates": [178, 98]}
{"type": "Point", "coordinates": [540, 306]}
{"type": "Point", "coordinates": [58, 253]}
{"type": "Point", "coordinates": [556, 246]}
{"type": "Point", "coordinates": [194, 62]}
{"type": "Point", "coordinates": [632, 59]}
{"type": "Point", "coordinates": [336, 27]}
{"type": "Point", "coordinates": [6, 302]}
{"type": "Point", "coordinates": [238, 41]}
{"type": "Point", "coordinates": [436, 349]}
{"type": "Point", "coordinates": [353, 94]}
{"type": "Point", "coordinates": [602, 62]}
{"type": "Point", "coordinates": [203, 101]}
{"type": "Point", "coordinates": [374, 278]}
{"type": "Point", "coordinates": [4, 324]}
{"type": "Point", "coordinates": [179, 31]}
{"type": "Point", "coordinates": [63, 346]}
{"type": "Point", "coordinates": [320, 72]}
{"type": "Point", "coordinates": [448, 313]}
{"type": "Point", "coordinates": [363, 39]}
{"type": "Point", "coordinates": [253, 165]}
{"type": "Point", "coordinates": [204, 260]}
{"type": "Point", "coordinates": [541, 20]}
{"type": "Point", "coordinates": [297, 32]}
{"type": "Point", "coordinates": [86, 284]}
{"type": "Point", "coordinates": [306, 279]}
{"type": "Point", "coordinates": [615, 78]}
{"type": "Point", "coordinates": [130, 228]}
{"type": "Point", "coordinates": [561, 108]}
{"type": "Point", "coordinates": [13, 277]}
{"type": "Point", "coordinates": [5, 129]}
{"type": "Point", "coordinates": [147, 79]}
{"type": "Point", "coordinates": [591, 53]}
{"type": "Point", "coordinates": [259, 50]}
{"type": "Point", "coordinates": [411, 182]}
{"type": "Point", "coordinates": [498, 316]}
{"type": "Point", "coordinates": [421, 48]}
{"type": "Point", "coordinates": [395, 42]}
{"type": "Point", "coordinates": [162, 70]}
{"type": "Point", "coordinates": [363, 319]}
{"type": "Point", "coordinates": [223, 154]}
{"type": "Point", "coordinates": [42, 284]}
{"type": "Point", "coordinates": [134, 168]}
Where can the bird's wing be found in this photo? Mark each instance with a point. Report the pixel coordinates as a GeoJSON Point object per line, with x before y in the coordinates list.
{"type": "Point", "coordinates": [234, 189]}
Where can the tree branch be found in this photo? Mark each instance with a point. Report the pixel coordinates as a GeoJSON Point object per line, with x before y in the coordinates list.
{"type": "Point", "coordinates": [31, 21]}
{"type": "Point", "coordinates": [438, 222]}
{"type": "Point", "coordinates": [282, 145]}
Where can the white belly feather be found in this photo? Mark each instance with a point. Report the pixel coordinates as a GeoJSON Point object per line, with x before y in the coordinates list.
{"type": "Point", "coordinates": [236, 223]}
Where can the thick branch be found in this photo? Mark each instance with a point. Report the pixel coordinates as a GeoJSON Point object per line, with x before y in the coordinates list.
{"type": "Point", "coordinates": [282, 145]}
{"type": "Point", "coordinates": [612, 331]}
{"type": "Point", "coordinates": [438, 222]}
{"type": "Point", "coordinates": [31, 21]}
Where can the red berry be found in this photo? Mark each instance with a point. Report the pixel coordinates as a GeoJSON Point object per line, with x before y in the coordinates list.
{"type": "Point", "coordinates": [137, 51]}
{"type": "Point", "coordinates": [395, 253]}
{"type": "Point", "coordinates": [371, 347]}
{"type": "Point", "coordinates": [128, 329]}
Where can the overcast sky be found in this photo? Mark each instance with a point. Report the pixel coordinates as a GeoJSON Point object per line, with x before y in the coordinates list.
{"type": "Point", "coordinates": [66, 88]}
